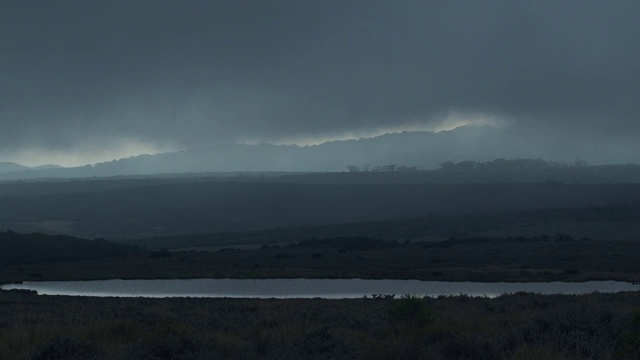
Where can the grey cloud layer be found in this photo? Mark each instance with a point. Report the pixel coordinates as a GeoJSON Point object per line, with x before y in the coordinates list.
{"type": "Point", "coordinates": [195, 72]}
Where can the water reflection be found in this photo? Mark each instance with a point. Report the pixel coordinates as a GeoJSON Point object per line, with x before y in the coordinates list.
{"type": "Point", "coordinates": [306, 288]}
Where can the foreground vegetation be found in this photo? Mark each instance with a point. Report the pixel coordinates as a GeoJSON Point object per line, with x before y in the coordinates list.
{"type": "Point", "coordinates": [521, 326]}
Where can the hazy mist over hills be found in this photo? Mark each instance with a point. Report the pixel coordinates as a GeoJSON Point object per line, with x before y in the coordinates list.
{"type": "Point", "coordinates": [422, 150]}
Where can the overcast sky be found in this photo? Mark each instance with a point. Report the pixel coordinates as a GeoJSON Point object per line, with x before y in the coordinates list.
{"type": "Point", "coordinates": [82, 81]}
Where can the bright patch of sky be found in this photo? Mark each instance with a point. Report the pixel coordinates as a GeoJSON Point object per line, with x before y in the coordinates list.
{"type": "Point", "coordinates": [449, 122]}
{"type": "Point", "coordinates": [85, 154]}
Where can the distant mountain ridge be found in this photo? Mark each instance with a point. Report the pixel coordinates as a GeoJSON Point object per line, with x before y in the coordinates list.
{"type": "Point", "coordinates": [45, 167]}
{"type": "Point", "coordinates": [11, 167]}
{"type": "Point", "coordinates": [422, 149]}
{"type": "Point", "coordinates": [6, 167]}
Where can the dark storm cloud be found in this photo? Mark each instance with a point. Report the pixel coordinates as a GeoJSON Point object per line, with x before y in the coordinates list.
{"type": "Point", "coordinates": [197, 72]}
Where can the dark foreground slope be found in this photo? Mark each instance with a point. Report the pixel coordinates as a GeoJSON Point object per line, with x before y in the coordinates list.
{"type": "Point", "coordinates": [36, 248]}
{"type": "Point", "coordinates": [520, 326]}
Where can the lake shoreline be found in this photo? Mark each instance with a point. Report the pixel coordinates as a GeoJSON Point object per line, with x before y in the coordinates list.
{"type": "Point", "coordinates": [308, 288]}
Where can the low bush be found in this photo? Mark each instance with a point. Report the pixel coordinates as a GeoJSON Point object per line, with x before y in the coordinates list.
{"type": "Point", "coordinates": [412, 309]}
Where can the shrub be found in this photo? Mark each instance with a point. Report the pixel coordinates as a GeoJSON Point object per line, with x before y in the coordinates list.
{"type": "Point", "coordinates": [571, 271]}
{"type": "Point", "coordinates": [160, 254]}
{"type": "Point", "coordinates": [412, 309]}
{"type": "Point", "coordinates": [66, 348]}
{"type": "Point", "coordinates": [628, 346]}
{"type": "Point", "coordinates": [636, 316]}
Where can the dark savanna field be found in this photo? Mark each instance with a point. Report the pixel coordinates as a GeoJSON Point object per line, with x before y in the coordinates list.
{"type": "Point", "coordinates": [538, 231]}
{"type": "Point", "coordinates": [133, 209]}
{"type": "Point", "coordinates": [551, 258]}
{"type": "Point", "coordinates": [521, 326]}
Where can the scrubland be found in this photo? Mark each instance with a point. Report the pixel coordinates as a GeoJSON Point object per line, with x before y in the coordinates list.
{"type": "Point", "coordinates": [520, 326]}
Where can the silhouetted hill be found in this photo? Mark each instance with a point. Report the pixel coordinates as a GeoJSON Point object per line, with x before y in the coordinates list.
{"type": "Point", "coordinates": [46, 167]}
{"type": "Point", "coordinates": [11, 170]}
{"type": "Point", "coordinates": [36, 247]}
{"type": "Point", "coordinates": [6, 167]}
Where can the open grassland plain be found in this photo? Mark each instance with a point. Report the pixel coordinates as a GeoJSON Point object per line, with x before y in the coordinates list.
{"type": "Point", "coordinates": [151, 209]}
{"type": "Point", "coordinates": [520, 326]}
{"type": "Point", "coordinates": [550, 258]}
{"type": "Point", "coordinates": [616, 222]}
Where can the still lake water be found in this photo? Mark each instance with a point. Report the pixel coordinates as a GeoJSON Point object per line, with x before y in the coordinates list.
{"type": "Point", "coordinates": [307, 288]}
